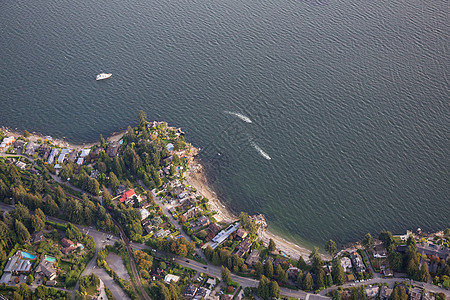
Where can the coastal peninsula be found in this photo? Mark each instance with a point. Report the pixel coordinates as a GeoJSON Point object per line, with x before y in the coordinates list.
{"type": "Point", "coordinates": [133, 217]}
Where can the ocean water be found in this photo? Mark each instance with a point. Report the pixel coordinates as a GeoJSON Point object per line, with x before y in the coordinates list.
{"type": "Point", "coordinates": [331, 117]}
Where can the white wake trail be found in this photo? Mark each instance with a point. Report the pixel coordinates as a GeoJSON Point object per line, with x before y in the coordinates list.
{"type": "Point", "coordinates": [240, 116]}
{"type": "Point", "coordinates": [261, 151]}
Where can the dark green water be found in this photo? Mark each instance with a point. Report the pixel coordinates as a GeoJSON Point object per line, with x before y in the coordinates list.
{"type": "Point", "coordinates": [349, 99]}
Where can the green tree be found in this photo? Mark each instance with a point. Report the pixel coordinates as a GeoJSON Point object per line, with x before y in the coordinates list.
{"type": "Point", "coordinates": [226, 275]}
{"type": "Point", "coordinates": [259, 269]}
{"type": "Point", "coordinates": [329, 280]}
{"type": "Point", "coordinates": [37, 223]}
{"type": "Point", "coordinates": [283, 276]}
{"type": "Point", "coordinates": [338, 273]}
{"type": "Point", "coordinates": [142, 118]}
{"type": "Point", "coordinates": [386, 237]}
{"type": "Point", "coordinates": [264, 287]}
{"type": "Point", "coordinates": [113, 181]}
{"type": "Point", "coordinates": [216, 259]}
{"type": "Point", "coordinates": [424, 274]}
{"type": "Point", "coordinates": [274, 289]}
{"type": "Point", "coordinates": [102, 142]}
{"type": "Point", "coordinates": [368, 242]}
{"type": "Point", "coordinates": [278, 270]}
{"type": "Point", "coordinates": [268, 269]}
{"type": "Point", "coordinates": [320, 278]}
{"type": "Point", "coordinates": [209, 251]}
{"type": "Point", "coordinates": [300, 280]}
{"type": "Point", "coordinates": [331, 247]}
{"type": "Point", "coordinates": [301, 264]}
{"type": "Point", "coordinates": [308, 282]}
{"type": "Point", "coordinates": [22, 232]}
{"type": "Point", "coordinates": [30, 279]}
{"type": "Point", "coordinates": [272, 247]}
{"type": "Point", "coordinates": [26, 134]}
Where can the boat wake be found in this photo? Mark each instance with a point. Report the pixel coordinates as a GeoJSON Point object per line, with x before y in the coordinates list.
{"type": "Point", "coordinates": [261, 151]}
{"type": "Point", "coordinates": [240, 116]}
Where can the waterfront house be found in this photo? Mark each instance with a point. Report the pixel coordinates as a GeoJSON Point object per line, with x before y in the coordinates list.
{"type": "Point", "coordinates": [346, 264]}
{"type": "Point", "coordinates": [252, 259]}
{"type": "Point", "coordinates": [379, 251]}
{"type": "Point", "coordinates": [357, 262]}
{"type": "Point", "coordinates": [85, 152]}
{"type": "Point", "coordinates": [113, 149]}
{"type": "Point", "coordinates": [223, 235]}
{"type": "Point", "coordinates": [7, 142]}
{"type": "Point", "coordinates": [51, 157]}
{"type": "Point", "coordinates": [72, 156]}
{"type": "Point", "coordinates": [241, 234]}
{"type": "Point", "coordinates": [18, 145]}
{"type": "Point", "coordinates": [202, 222]}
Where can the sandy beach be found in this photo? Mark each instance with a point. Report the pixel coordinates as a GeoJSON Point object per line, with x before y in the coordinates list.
{"type": "Point", "coordinates": [197, 179]}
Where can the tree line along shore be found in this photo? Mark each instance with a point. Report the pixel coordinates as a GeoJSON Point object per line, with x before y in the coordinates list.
{"type": "Point", "coordinates": [136, 185]}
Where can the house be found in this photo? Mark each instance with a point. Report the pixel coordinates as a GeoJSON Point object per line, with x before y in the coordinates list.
{"type": "Point", "coordinates": [148, 229]}
{"type": "Point", "coordinates": [415, 294]}
{"type": "Point", "coordinates": [372, 292]}
{"type": "Point", "coordinates": [346, 264]}
{"type": "Point", "coordinates": [253, 258]}
{"type": "Point", "coordinates": [44, 150]}
{"type": "Point", "coordinates": [241, 234]}
{"type": "Point", "coordinates": [122, 188]}
{"type": "Point", "coordinates": [427, 296]}
{"type": "Point", "coordinates": [386, 271]}
{"type": "Point", "coordinates": [214, 228]}
{"type": "Point", "coordinates": [192, 212]}
{"type": "Point", "coordinates": [68, 250]}
{"type": "Point", "coordinates": [72, 156]}
{"type": "Point", "coordinates": [293, 272]}
{"type": "Point", "coordinates": [80, 161]}
{"type": "Point", "coordinates": [46, 269]}
{"type": "Point", "coordinates": [113, 149]}
{"type": "Point", "coordinates": [202, 222]}
{"type": "Point", "coordinates": [21, 165]}
{"type": "Point", "coordinates": [144, 213]}
{"type": "Point", "coordinates": [350, 277]}
{"type": "Point", "coordinates": [385, 293]}
{"type": "Point", "coordinates": [223, 235]}
{"type": "Point", "coordinates": [16, 265]}
{"type": "Point", "coordinates": [379, 251]}
{"type": "Point", "coordinates": [211, 282]}
{"type": "Point", "coordinates": [65, 242]}
{"type": "Point", "coordinates": [127, 195]}
{"type": "Point", "coordinates": [170, 277]}
{"type": "Point", "coordinates": [85, 152]}
{"type": "Point", "coordinates": [162, 233]}
{"type": "Point", "coordinates": [51, 157]}
{"type": "Point", "coordinates": [18, 145]}
{"type": "Point", "coordinates": [243, 247]}
{"type": "Point", "coordinates": [170, 147]}
{"type": "Point", "coordinates": [37, 237]}
{"type": "Point", "coordinates": [62, 156]}
{"type": "Point", "coordinates": [202, 293]}
{"type": "Point", "coordinates": [357, 262]}
{"type": "Point", "coordinates": [190, 290]}
{"type": "Point", "coordinates": [7, 142]}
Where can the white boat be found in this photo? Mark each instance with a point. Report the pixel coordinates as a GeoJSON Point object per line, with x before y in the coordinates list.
{"type": "Point", "coordinates": [103, 76]}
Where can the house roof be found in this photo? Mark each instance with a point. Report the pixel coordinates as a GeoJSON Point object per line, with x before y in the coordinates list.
{"type": "Point", "coordinates": [66, 242]}
{"type": "Point", "coordinates": [126, 195]}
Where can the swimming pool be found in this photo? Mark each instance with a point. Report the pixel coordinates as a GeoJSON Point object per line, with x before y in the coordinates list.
{"type": "Point", "coordinates": [28, 255]}
{"type": "Point", "coordinates": [49, 258]}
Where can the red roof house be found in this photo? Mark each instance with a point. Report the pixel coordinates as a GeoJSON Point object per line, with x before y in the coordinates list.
{"type": "Point", "coordinates": [127, 195]}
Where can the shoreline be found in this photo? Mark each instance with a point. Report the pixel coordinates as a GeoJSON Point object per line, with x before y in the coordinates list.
{"type": "Point", "coordinates": [60, 142]}
{"type": "Point", "coordinates": [195, 177]}
{"type": "Point", "coordinates": [198, 179]}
